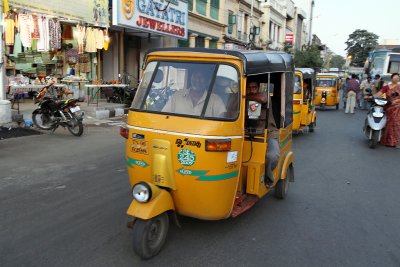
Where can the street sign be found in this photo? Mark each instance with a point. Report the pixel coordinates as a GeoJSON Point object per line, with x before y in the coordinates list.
{"type": "Point", "coordinates": [289, 38]}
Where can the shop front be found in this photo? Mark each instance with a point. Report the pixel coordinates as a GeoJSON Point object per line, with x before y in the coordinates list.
{"type": "Point", "coordinates": [142, 25]}
{"type": "Point", "coordinates": [51, 41]}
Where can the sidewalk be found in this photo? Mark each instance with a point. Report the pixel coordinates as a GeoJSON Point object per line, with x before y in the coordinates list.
{"type": "Point", "coordinates": [94, 114]}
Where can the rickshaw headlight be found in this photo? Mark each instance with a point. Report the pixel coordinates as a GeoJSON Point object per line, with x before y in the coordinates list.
{"type": "Point", "coordinates": [141, 192]}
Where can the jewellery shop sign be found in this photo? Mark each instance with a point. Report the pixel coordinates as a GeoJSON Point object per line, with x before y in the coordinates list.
{"type": "Point", "coordinates": [164, 17]}
{"type": "Point", "coordinates": [94, 12]}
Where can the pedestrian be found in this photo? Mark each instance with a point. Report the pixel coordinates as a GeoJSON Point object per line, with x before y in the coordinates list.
{"type": "Point", "coordinates": [344, 93]}
{"type": "Point", "coordinates": [376, 86]}
{"type": "Point", "coordinates": [365, 85]}
{"type": "Point", "coordinates": [353, 88]}
{"type": "Point", "coordinates": [391, 135]}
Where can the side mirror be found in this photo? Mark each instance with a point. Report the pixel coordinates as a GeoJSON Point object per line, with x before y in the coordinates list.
{"type": "Point", "coordinates": [254, 110]}
{"type": "Point", "coordinates": [368, 90]}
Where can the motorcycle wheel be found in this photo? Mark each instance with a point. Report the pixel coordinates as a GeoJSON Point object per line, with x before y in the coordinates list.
{"type": "Point", "coordinates": [75, 126]}
{"type": "Point", "coordinates": [149, 235]}
{"type": "Point", "coordinates": [374, 139]}
{"type": "Point", "coordinates": [42, 120]}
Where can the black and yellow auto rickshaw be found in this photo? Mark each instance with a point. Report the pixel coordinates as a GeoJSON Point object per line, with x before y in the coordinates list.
{"type": "Point", "coordinates": [304, 114]}
{"type": "Point", "coordinates": [327, 90]}
{"type": "Point", "coordinates": [188, 149]}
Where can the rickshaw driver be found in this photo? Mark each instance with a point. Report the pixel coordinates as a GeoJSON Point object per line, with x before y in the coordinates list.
{"type": "Point", "coordinates": [273, 150]}
{"type": "Point", "coordinates": [191, 101]}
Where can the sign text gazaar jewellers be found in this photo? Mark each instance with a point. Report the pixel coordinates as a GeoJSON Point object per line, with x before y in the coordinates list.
{"type": "Point", "coordinates": [157, 16]}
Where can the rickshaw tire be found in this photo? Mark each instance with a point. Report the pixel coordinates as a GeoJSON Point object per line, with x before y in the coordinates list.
{"type": "Point", "coordinates": [282, 186]}
{"type": "Point", "coordinates": [141, 231]}
{"type": "Point", "coordinates": [337, 106]}
{"type": "Point", "coordinates": [311, 127]}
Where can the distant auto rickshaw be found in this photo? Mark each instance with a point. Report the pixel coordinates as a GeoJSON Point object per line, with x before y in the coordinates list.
{"type": "Point", "coordinates": [197, 157]}
{"type": "Point", "coordinates": [304, 114]}
{"type": "Point", "coordinates": [327, 92]}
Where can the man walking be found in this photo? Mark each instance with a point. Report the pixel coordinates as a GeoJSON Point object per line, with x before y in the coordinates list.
{"type": "Point", "coordinates": [353, 89]}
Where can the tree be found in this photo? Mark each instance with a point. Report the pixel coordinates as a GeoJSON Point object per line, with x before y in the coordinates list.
{"type": "Point", "coordinates": [337, 61]}
{"type": "Point", "coordinates": [310, 57]}
{"type": "Point", "coordinates": [359, 44]}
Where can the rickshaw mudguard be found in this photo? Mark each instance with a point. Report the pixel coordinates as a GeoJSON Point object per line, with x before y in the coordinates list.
{"type": "Point", "coordinates": [289, 158]}
{"type": "Point", "coordinates": [161, 203]}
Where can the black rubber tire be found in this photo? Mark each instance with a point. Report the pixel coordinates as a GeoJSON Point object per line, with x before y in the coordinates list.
{"type": "Point", "coordinates": [311, 127]}
{"type": "Point", "coordinates": [282, 186]}
{"type": "Point", "coordinates": [337, 106]}
{"type": "Point", "coordinates": [43, 117]}
{"type": "Point", "coordinates": [374, 139]}
{"type": "Point", "coordinates": [75, 126]}
{"type": "Point", "coordinates": [323, 106]}
{"type": "Point", "coordinates": [149, 235]}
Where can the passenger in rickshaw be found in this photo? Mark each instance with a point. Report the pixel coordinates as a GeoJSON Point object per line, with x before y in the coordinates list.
{"type": "Point", "coordinates": [273, 150]}
{"type": "Point", "coordinates": [191, 101]}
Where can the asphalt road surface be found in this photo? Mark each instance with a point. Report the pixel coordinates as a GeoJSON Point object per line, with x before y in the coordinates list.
{"type": "Point", "coordinates": [63, 201]}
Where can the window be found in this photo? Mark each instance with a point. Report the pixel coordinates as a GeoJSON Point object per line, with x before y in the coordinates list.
{"type": "Point", "coordinates": [297, 85]}
{"type": "Point", "coordinates": [201, 7]}
{"type": "Point", "coordinates": [171, 87]}
{"type": "Point", "coordinates": [214, 9]}
{"type": "Point", "coordinates": [190, 5]}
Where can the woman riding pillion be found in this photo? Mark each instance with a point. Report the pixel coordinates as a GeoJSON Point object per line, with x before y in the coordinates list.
{"type": "Point", "coordinates": [204, 158]}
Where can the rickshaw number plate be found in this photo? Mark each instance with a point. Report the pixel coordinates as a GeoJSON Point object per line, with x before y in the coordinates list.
{"type": "Point", "coordinates": [232, 156]}
{"type": "Point", "coordinates": [140, 146]}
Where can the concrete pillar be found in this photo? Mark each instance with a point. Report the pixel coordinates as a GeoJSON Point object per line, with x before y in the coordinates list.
{"type": "Point", "coordinates": [221, 44]}
{"type": "Point", "coordinates": [207, 42]}
{"type": "Point", "coordinates": [192, 40]}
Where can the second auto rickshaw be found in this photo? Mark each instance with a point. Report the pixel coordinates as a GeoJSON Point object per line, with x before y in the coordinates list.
{"type": "Point", "coordinates": [188, 149]}
{"type": "Point", "coordinates": [327, 90]}
{"type": "Point", "coordinates": [304, 114]}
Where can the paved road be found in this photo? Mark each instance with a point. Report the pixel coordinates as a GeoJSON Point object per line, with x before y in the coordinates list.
{"type": "Point", "coordinates": [63, 202]}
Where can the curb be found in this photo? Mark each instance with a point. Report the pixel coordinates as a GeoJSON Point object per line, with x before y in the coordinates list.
{"type": "Point", "coordinates": [105, 113]}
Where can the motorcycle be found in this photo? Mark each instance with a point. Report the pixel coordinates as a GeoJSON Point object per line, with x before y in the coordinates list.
{"type": "Point", "coordinates": [54, 113]}
{"type": "Point", "coordinates": [375, 121]}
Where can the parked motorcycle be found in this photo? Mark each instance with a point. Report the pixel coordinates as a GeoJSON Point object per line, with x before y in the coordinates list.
{"type": "Point", "coordinates": [54, 113]}
{"type": "Point", "coordinates": [375, 121]}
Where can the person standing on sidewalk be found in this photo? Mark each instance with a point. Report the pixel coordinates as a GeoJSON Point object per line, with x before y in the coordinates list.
{"type": "Point", "coordinates": [353, 89]}
{"type": "Point", "coordinates": [366, 84]}
{"type": "Point", "coordinates": [344, 93]}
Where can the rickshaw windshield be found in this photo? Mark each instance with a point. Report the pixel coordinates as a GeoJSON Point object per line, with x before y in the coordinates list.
{"type": "Point", "coordinates": [297, 85]}
{"type": "Point", "coordinates": [326, 82]}
{"type": "Point", "coordinates": [204, 90]}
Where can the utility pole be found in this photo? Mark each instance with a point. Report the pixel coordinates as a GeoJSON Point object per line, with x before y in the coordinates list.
{"type": "Point", "coordinates": [311, 21]}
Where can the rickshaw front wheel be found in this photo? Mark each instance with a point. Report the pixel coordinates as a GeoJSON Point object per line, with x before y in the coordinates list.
{"type": "Point", "coordinates": [149, 235]}
{"type": "Point", "coordinates": [282, 186]}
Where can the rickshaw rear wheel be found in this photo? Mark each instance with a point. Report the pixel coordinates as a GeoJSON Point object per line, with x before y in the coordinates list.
{"type": "Point", "coordinates": [282, 186]}
{"type": "Point", "coordinates": [311, 127]}
{"type": "Point", "coordinates": [337, 106]}
{"type": "Point", "coordinates": [149, 235]}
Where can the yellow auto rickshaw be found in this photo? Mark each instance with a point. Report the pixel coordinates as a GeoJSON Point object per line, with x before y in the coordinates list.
{"type": "Point", "coordinates": [327, 92]}
{"type": "Point", "coordinates": [304, 114]}
{"type": "Point", "coordinates": [188, 149]}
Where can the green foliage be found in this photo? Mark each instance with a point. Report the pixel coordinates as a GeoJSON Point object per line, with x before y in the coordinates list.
{"type": "Point", "coordinates": [310, 57]}
{"type": "Point", "coordinates": [359, 44]}
{"type": "Point", "coordinates": [337, 61]}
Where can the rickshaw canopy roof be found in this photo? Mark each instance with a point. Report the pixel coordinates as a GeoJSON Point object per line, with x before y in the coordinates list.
{"type": "Point", "coordinates": [308, 73]}
{"type": "Point", "coordinates": [328, 74]}
{"type": "Point", "coordinates": [255, 61]}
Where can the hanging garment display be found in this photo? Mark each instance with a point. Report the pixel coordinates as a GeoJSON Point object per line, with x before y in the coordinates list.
{"type": "Point", "coordinates": [90, 46]}
{"type": "Point", "coordinates": [9, 26]}
{"type": "Point", "coordinates": [43, 42]}
{"type": "Point", "coordinates": [81, 32]}
{"type": "Point", "coordinates": [67, 33]}
{"type": "Point", "coordinates": [55, 34]}
{"type": "Point", "coordinates": [17, 44]}
{"type": "Point", "coordinates": [35, 30]}
{"type": "Point", "coordinates": [71, 56]}
{"type": "Point", "coordinates": [99, 34]}
{"type": "Point", "coordinates": [26, 28]}
{"type": "Point", "coordinates": [84, 62]}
